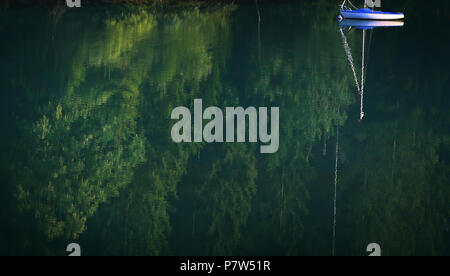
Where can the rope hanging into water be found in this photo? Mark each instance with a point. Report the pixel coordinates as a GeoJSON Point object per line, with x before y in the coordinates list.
{"type": "Point", "coordinates": [351, 4]}
{"type": "Point", "coordinates": [362, 76]}
{"type": "Point", "coordinates": [335, 190]}
{"type": "Point", "coordinates": [348, 51]}
{"type": "Point", "coordinates": [359, 87]}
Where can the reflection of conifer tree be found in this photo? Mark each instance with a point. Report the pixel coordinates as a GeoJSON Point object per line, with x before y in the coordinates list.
{"type": "Point", "coordinates": [395, 191]}
{"type": "Point", "coordinates": [174, 78]}
{"type": "Point", "coordinates": [309, 99]}
{"type": "Point", "coordinates": [223, 193]}
{"type": "Point", "coordinates": [85, 145]}
{"type": "Point", "coordinates": [403, 169]}
{"type": "Point", "coordinates": [98, 153]}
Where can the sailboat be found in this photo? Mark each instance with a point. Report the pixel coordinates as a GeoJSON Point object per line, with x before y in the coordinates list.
{"type": "Point", "coordinates": [351, 12]}
{"type": "Point", "coordinates": [364, 25]}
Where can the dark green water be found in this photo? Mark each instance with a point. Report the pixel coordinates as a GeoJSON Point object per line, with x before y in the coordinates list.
{"type": "Point", "coordinates": [87, 156]}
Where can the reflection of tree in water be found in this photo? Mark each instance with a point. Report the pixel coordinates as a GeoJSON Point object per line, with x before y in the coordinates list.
{"type": "Point", "coordinates": [403, 173]}
{"type": "Point", "coordinates": [87, 145]}
{"type": "Point", "coordinates": [88, 149]}
{"type": "Point", "coordinates": [84, 148]}
{"type": "Point", "coordinates": [183, 62]}
{"type": "Point", "coordinates": [100, 163]}
{"type": "Point", "coordinates": [223, 190]}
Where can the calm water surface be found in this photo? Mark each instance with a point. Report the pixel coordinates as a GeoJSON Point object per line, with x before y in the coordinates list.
{"type": "Point", "coordinates": [87, 156]}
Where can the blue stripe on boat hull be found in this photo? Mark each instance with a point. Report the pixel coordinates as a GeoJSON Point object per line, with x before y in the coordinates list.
{"type": "Point", "coordinates": [367, 14]}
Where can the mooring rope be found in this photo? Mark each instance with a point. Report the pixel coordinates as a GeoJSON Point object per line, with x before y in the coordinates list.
{"type": "Point", "coordinates": [335, 190]}
{"type": "Point", "coordinates": [362, 76]}
{"type": "Point", "coordinates": [351, 4]}
{"type": "Point", "coordinates": [348, 51]}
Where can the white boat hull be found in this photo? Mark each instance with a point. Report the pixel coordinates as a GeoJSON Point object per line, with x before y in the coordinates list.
{"type": "Point", "coordinates": [375, 15]}
{"type": "Point", "coordinates": [370, 24]}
